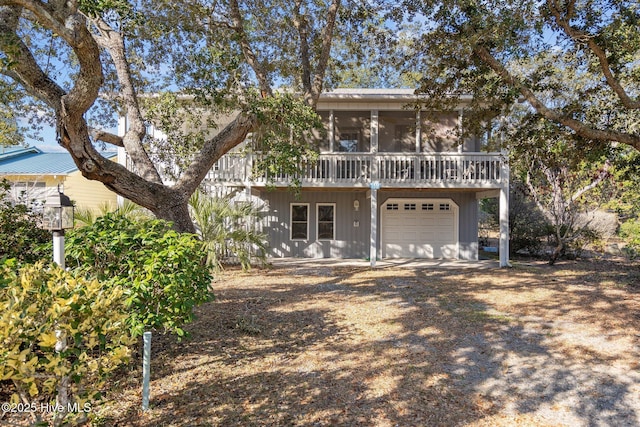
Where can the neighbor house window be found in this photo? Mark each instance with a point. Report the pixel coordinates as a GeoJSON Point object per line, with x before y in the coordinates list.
{"type": "Point", "coordinates": [299, 221]}
{"type": "Point", "coordinates": [326, 221]}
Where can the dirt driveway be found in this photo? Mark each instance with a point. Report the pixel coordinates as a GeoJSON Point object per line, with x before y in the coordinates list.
{"type": "Point", "coordinates": [309, 345]}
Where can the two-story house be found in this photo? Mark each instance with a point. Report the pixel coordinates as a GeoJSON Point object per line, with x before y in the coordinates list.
{"type": "Point", "coordinates": [390, 182]}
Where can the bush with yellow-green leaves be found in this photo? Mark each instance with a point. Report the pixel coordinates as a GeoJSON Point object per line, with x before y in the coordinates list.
{"type": "Point", "coordinates": [61, 335]}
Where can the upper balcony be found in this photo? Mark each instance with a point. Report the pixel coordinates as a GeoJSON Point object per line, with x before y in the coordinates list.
{"type": "Point", "coordinates": [401, 170]}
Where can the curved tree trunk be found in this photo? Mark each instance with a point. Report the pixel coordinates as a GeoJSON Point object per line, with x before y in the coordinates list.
{"type": "Point", "coordinates": [89, 37]}
{"type": "Point", "coordinates": [178, 213]}
{"type": "Point", "coordinates": [557, 251]}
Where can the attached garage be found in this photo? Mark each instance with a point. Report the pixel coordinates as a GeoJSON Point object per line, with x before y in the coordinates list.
{"type": "Point", "coordinates": [419, 228]}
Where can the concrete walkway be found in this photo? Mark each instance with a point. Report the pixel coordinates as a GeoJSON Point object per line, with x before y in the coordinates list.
{"type": "Point", "coordinates": [387, 263]}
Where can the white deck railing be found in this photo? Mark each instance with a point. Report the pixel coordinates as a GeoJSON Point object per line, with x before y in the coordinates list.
{"type": "Point", "coordinates": [360, 169]}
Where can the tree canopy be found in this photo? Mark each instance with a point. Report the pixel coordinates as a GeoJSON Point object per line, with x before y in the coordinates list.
{"type": "Point", "coordinates": [205, 72]}
{"type": "Point", "coordinates": [575, 62]}
{"type": "Point", "coordinates": [82, 63]}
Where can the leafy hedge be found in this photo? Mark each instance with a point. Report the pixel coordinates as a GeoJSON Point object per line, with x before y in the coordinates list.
{"type": "Point", "coordinates": [630, 231]}
{"type": "Point", "coordinates": [163, 273]}
{"type": "Point", "coordinates": [20, 234]}
{"type": "Point", "coordinates": [61, 335]}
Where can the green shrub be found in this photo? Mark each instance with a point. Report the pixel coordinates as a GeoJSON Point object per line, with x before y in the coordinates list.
{"type": "Point", "coordinates": [60, 337]}
{"type": "Point", "coordinates": [162, 271]}
{"type": "Point", "coordinates": [20, 234]}
{"type": "Point", "coordinates": [630, 231]}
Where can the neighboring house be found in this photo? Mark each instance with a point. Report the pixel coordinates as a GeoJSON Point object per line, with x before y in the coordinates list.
{"type": "Point", "coordinates": [37, 174]}
{"type": "Point", "coordinates": [390, 182]}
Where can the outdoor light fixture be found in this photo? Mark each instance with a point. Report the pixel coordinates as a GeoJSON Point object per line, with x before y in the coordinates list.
{"type": "Point", "coordinates": [57, 216]}
{"type": "Point", "coordinates": [356, 205]}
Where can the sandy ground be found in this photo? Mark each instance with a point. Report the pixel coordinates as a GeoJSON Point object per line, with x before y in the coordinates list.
{"type": "Point", "coordinates": [339, 344]}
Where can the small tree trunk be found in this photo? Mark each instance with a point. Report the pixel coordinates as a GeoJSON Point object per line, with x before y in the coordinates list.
{"type": "Point", "coordinates": [557, 251]}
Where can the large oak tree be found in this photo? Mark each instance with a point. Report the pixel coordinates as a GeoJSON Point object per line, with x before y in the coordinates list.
{"type": "Point", "coordinates": [82, 62]}
{"type": "Point", "coordinates": [575, 62]}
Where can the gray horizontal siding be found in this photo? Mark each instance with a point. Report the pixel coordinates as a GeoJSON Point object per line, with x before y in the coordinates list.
{"type": "Point", "coordinates": [351, 241]}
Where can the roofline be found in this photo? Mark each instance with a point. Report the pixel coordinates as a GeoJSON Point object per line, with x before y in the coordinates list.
{"type": "Point", "coordinates": [368, 94]}
{"type": "Point", "coordinates": [381, 95]}
{"type": "Point", "coordinates": [65, 173]}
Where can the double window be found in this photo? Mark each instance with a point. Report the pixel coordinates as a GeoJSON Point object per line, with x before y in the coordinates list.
{"type": "Point", "coordinates": [325, 221]}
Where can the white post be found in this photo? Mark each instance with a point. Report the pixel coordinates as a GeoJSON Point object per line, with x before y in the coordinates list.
{"type": "Point", "coordinates": [504, 214]}
{"type": "Point", "coordinates": [146, 369]}
{"type": "Point", "coordinates": [58, 248]}
{"type": "Point", "coordinates": [374, 132]}
{"type": "Point", "coordinates": [373, 248]}
{"type": "Point", "coordinates": [418, 131]}
{"type": "Point", "coordinates": [461, 141]}
{"type": "Point", "coordinates": [332, 131]}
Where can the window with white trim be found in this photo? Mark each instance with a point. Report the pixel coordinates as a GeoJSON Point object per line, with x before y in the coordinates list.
{"type": "Point", "coordinates": [299, 221]}
{"type": "Point", "coordinates": [445, 206]}
{"type": "Point", "coordinates": [392, 207]}
{"type": "Point", "coordinates": [326, 217]}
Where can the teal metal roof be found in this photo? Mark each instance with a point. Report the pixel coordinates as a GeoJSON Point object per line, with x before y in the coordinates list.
{"type": "Point", "coordinates": [34, 162]}
{"type": "Point", "coordinates": [16, 150]}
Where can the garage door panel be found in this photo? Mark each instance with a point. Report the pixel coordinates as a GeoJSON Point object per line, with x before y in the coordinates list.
{"type": "Point", "coordinates": [419, 233]}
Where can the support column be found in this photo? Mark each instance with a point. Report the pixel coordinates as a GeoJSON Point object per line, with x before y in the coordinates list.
{"type": "Point", "coordinates": [461, 142]}
{"type": "Point", "coordinates": [504, 214]}
{"type": "Point", "coordinates": [374, 131]}
{"type": "Point", "coordinates": [418, 131]}
{"type": "Point", "coordinates": [373, 248]}
{"type": "Point", "coordinates": [332, 131]}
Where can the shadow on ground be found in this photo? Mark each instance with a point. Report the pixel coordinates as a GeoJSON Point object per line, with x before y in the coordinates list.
{"type": "Point", "coordinates": [409, 347]}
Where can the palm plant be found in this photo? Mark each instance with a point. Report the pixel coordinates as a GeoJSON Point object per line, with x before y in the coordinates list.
{"type": "Point", "coordinates": [228, 229]}
{"type": "Point", "coordinates": [87, 216]}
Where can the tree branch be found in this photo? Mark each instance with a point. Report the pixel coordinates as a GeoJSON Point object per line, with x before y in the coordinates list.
{"type": "Point", "coordinates": [301, 24]}
{"type": "Point", "coordinates": [24, 67]}
{"type": "Point", "coordinates": [577, 126]}
{"type": "Point", "coordinates": [113, 42]}
{"type": "Point", "coordinates": [109, 138]}
{"type": "Point", "coordinates": [249, 54]}
{"type": "Point", "coordinates": [323, 60]}
{"type": "Point", "coordinates": [602, 175]}
{"type": "Point", "coordinates": [232, 135]}
{"type": "Point", "coordinates": [586, 38]}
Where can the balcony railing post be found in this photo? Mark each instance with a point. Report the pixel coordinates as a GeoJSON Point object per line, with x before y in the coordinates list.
{"type": "Point", "coordinates": [248, 168]}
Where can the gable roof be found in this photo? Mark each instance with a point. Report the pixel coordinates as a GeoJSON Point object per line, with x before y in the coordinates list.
{"type": "Point", "coordinates": [32, 161]}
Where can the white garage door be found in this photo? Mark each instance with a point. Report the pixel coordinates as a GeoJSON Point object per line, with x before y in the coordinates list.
{"type": "Point", "coordinates": [419, 228]}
